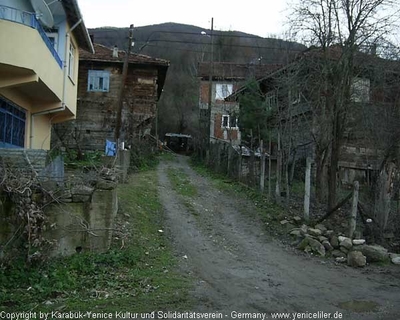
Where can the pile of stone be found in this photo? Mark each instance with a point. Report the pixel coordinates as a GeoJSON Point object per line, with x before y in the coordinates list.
{"type": "Point", "coordinates": [321, 241]}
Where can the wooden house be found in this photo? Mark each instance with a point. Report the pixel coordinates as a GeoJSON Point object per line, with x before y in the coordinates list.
{"type": "Point", "coordinates": [100, 77]}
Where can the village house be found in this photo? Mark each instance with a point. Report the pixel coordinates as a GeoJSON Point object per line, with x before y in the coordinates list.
{"type": "Point", "coordinates": [226, 78]}
{"type": "Point", "coordinates": [295, 95]}
{"type": "Point", "coordinates": [39, 59]}
{"type": "Point", "coordinates": [100, 77]}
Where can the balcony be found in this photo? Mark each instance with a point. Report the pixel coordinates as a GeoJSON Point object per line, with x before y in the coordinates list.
{"type": "Point", "coordinates": [29, 19]}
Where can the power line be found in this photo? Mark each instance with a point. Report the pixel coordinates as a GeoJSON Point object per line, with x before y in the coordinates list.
{"type": "Point", "coordinates": [218, 45]}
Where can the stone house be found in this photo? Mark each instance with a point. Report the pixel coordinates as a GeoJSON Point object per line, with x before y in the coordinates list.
{"type": "Point", "coordinates": [39, 59]}
{"type": "Point", "coordinates": [100, 76]}
{"type": "Point", "coordinates": [226, 78]}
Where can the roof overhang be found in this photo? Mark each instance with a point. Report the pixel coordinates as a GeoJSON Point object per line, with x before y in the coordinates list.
{"type": "Point", "coordinates": [74, 17]}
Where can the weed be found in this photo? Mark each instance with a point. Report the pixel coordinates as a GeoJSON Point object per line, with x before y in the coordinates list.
{"type": "Point", "coordinates": [139, 277]}
{"type": "Point", "coordinates": [181, 183]}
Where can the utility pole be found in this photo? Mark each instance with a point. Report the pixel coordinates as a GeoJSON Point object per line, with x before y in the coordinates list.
{"type": "Point", "coordinates": [122, 87]}
{"type": "Point", "coordinates": [210, 76]}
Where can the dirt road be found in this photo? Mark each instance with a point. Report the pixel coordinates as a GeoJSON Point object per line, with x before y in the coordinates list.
{"type": "Point", "coordinates": [239, 267]}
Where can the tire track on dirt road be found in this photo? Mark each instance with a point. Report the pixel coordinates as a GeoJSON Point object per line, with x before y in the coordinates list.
{"type": "Point", "coordinates": [239, 267]}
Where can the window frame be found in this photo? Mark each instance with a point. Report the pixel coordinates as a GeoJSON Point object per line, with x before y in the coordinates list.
{"type": "Point", "coordinates": [228, 88]}
{"type": "Point", "coordinates": [93, 75]}
{"type": "Point", "coordinates": [14, 120]}
{"type": "Point", "coordinates": [71, 60]}
{"type": "Point", "coordinates": [228, 121]}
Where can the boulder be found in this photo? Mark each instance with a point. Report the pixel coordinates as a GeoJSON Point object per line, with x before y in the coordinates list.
{"type": "Point", "coordinates": [356, 259]}
{"type": "Point", "coordinates": [321, 227]}
{"type": "Point", "coordinates": [317, 247]}
{"type": "Point", "coordinates": [393, 255]}
{"type": "Point", "coordinates": [358, 242]}
{"type": "Point", "coordinates": [374, 253]}
{"type": "Point", "coordinates": [82, 190]}
{"type": "Point", "coordinates": [329, 233]}
{"type": "Point", "coordinates": [283, 222]}
{"type": "Point", "coordinates": [334, 242]}
{"type": "Point", "coordinates": [395, 258]}
{"type": "Point", "coordinates": [311, 245]}
{"type": "Point", "coordinates": [303, 229]}
{"type": "Point", "coordinates": [297, 219]}
{"type": "Point", "coordinates": [106, 184]}
{"type": "Point", "coordinates": [346, 243]}
{"type": "Point", "coordinates": [295, 232]}
{"type": "Point", "coordinates": [341, 238]}
{"type": "Point", "coordinates": [322, 239]}
{"type": "Point", "coordinates": [337, 254]}
{"type": "Point", "coordinates": [303, 244]}
{"type": "Point", "coordinates": [314, 232]}
{"type": "Point", "coordinates": [327, 245]}
{"type": "Point", "coordinates": [340, 259]}
{"type": "Point", "coordinates": [344, 250]}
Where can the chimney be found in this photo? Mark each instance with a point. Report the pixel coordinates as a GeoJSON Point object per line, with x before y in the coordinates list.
{"type": "Point", "coordinates": [115, 52]}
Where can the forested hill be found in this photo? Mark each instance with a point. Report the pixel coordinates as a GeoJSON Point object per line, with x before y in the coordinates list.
{"type": "Point", "coordinates": [173, 40]}
{"type": "Point", "coordinates": [185, 46]}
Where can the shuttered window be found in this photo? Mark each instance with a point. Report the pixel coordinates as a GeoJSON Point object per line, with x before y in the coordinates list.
{"type": "Point", "coordinates": [98, 80]}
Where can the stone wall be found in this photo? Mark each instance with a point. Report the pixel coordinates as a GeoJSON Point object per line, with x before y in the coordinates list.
{"type": "Point", "coordinates": [24, 159]}
{"type": "Point", "coordinates": [80, 214]}
{"type": "Point", "coordinates": [84, 219]}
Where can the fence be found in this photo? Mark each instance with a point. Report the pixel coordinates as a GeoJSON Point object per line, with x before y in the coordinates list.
{"type": "Point", "coordinates": [240, 163]}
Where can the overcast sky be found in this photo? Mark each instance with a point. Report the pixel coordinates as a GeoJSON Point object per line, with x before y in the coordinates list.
{"type": "Point", "coordinates": [259, 17]}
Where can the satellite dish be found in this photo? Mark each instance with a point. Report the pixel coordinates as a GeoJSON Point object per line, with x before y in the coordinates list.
{"type": "Point", "coordinates": [43, 13]}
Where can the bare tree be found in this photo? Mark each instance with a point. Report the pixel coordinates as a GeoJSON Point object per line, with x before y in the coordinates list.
{"type": "Point", "coordinates": [339, 28]}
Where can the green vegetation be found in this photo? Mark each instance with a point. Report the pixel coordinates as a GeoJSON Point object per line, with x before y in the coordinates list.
{"type": "Point", "coordinates": [136, 274]}
{"type": "Point", "coordinates": [269, 212]}
{"type": "Point", "coordinates": [181, 183]}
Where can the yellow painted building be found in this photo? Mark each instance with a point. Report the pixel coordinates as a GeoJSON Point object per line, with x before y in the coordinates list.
{"type": "Point", "coordinates": [39, 56]}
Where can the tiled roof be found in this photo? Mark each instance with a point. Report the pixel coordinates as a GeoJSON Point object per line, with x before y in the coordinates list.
{"type": "Point", "coordinates": [225, 70]}
{"type": "Point", "coordinates": [103, 53]}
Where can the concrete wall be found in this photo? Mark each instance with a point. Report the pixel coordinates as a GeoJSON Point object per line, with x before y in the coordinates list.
{"type": "Point", "coordinates": [85, 219]}
{"type": "Point", "coordinates": [31, 77]}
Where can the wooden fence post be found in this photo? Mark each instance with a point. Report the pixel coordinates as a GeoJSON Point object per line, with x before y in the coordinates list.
{"type": "Point", "coordinates": [307, 190]}
{"type": "Point", "coordinates": [353, 217]}
{"type": "Point", "coordinates": [228, 169]}
{"type": "Point", "coordinates": [240, 164]}
{"type": "Point", "coordinates": [262, 167]}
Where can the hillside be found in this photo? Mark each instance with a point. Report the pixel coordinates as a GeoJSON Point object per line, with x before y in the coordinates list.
{"type": "Point", "coordinates": [185, 46]}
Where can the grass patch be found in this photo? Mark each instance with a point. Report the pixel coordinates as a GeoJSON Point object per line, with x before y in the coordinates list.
{"type": "Point", "coordinates": [269, 212]}
{"type": "Point", "coordinates": [167, 156]}
{"type": "Point", "coordinates": [181, 183]}
{"type": "Point", "coordinates": [139, 277]}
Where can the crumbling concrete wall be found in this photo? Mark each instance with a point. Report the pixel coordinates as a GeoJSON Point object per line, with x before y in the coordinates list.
{"type": "Point", "coordinates": [84, 219]}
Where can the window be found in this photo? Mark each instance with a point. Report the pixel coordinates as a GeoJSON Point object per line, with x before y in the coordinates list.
{"type": "Point", "coordinates": [360, 90]}
{"type": "Point", "coordinates": [271, 100]}
{"type": "Point", "coordinates": [53, 37]}
{"type": "Point", "coordinates": [296, 95]}
{"type": "Point", "coordinates": [71, 60]}
{"type": "Point", "coordinates": [12, 125]}
{"type": "Point", "coordinates": [98, 80]}
{"type": "Point", "coordinates": [223, 90]}
{"type": "Point", "coordinates": [229, 122]}
{"type": "Point", "coordinates": [225, 121]}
